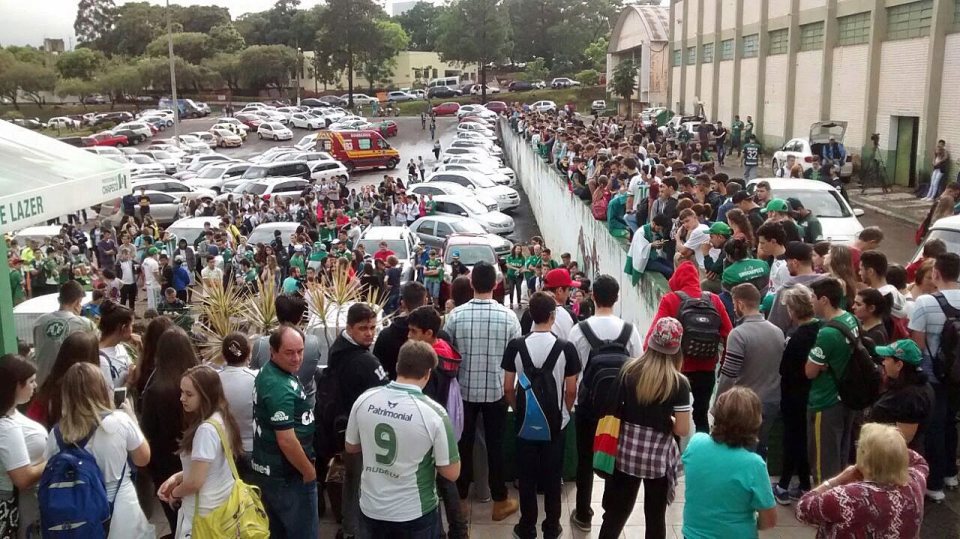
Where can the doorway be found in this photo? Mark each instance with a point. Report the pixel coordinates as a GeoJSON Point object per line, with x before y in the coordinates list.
{"type": "Point", "coordinates": [905, 151]}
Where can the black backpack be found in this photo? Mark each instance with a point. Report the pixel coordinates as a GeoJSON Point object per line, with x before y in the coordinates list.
{"type": "Point", "coordinates": [701, 326]}
{"type": "Point", "coordinates": [602, 368]}
{"type": "Point", "coordinates": [329, 414]}
{"type": "Point", "coordinates": [859, 385]}
{"type": "Point", "coordinates": [538, 416]}
{"type": "Point", "coordinates": [946, 362]}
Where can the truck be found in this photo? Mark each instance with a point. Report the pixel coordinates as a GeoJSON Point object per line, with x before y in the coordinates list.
{"type": "Point", "coordinates": [187, 107]}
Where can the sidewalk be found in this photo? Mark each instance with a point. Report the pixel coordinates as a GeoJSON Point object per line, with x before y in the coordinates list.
{"type": "Point", "coordinates": [900, 203]}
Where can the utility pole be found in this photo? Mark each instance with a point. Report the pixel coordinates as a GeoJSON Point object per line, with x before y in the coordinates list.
{"type": "Point", "coordinates": [173, 80]}
{"type": "Point", "coordinates": [299, 68]}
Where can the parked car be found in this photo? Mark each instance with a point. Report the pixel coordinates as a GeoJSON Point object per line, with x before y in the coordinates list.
{"type": "Point", "coordinates": [359, 99]}
{"type": "Point", "coordinates": [63, 122]}
{"type": "Point", "coordinates": [563, 82]}
{"type": "Point", "coordinates": [163, 209]}
{"type": "Point", "coordinates": [433, 231]}
{"type": "Point", "coordinates": [486, 144]}
{"type": "Point", "coordinates": [387, 128]}
{"type": "Point", "coordinates": [470, 249]}
{"type": "Point", "coordinates": [443, 92]}
{"type": "Point", "coordinates": [947, 230]}
{"type": "Point", "coordinates": [271, 187]}
{"type": "Point", "coordinates": [327, 169]}
{"type": "Point", "coordinates": [838, 219]}
{"type": "Point", "coordinates": [213, 175]}
{"type": "Point", "coordinates": [469, 109]}
{"type": "Point", "coordinates": [334, 100]}
{"type": "Point", "coordinates": [143, 129]}
{"type": "Point", "coordinates": [191, 164]}
{"type": "Point", "coordinates": [400, 97]}
{"type": "Point", "coordinates": [106, 151]}
{"type": "Point", "coordinates": [250, 120]}
{"type": "Point", "coordinates": [399, 239]}
{"type": "Point", "coordinates": [305, 120]}
{"type": "Point", "coordinates": [446, 109]}
{"type": "Point", "coordinates": [497, 106]}
{"type": "Point", "coordinates": [804, 149]}
{"type": "Point", "coordinates": [30, 123]}
{"type": "Point", "coordinates": [79, 142]}
{"type": "Point", "coordinates": [115, 117]}
{"type": "Point", "coordinates": [172, 187]}
{"type": "Point", "coordinates": [521, 86]}
{"type": "Point", "coordinates": [275, 131]}
{"type": "Point", "coordinates": [207, 138]}
{"type": "Point", "coordinates": [144, 164]}
{"type": "Point", "coordinates": [95, 99]}
{"type": "Point", "coordinates": [192, 144]}
{"type": "Point", "coordinates": [449, 188]}
{"type": "Point", "coordinates": [314, 102]}
{"type": "Point", "coordinates": [476, 89]}
{"type": "Point", "coordinates": [507, 197]}
{"type": "Point", "coordinates": [168, 160]}
{"type": "Point", "coordinates": [599, 106]}
{"type": "Point", "coordinates": [107, 138]}
{"type": "Point", "coordinates": [499, 176]}
{"type": "Point", "coordinates": [225, 138]}
{"type": "Point", "coordinates": [263, 233]}
{"type": "Point", "coordinates": [239, 130]}
{"type": "Point", "coordinates": [544, 106]}
{"type": "Point", "coordinates": [299, 169]}
{"type": "Point", "coordinates": [494, 222]}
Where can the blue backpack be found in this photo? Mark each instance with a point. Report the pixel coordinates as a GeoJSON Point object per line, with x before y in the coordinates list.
{"type": "Point", "coordinates": [538, 415]}
{"type": "Point", "coordinates": [72, 494]}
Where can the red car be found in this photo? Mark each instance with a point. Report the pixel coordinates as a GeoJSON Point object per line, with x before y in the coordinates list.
{"type": "Point", "coordinates": [446, 109]}
{"type": "Point", "coordinates": [388, 128]}
{"type": "Point", "coordinates": [109, 139]}
{"type": "Point", "coordinates": [497, 106]}
{"type": "Point", "coordinates": [249, 120]}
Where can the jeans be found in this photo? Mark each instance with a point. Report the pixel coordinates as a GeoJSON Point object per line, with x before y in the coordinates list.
{"type": "Point", "coordinates": [701, 388]}
{"type": "Point", "coordinates": [433, 288]}
{"type": "Point", "coordinates": [350, 501]}
{"type": "Point", "coordinates": [632, 221]}
{"type": "Point", "coordinates": [128, 295]}
{"type": "Point", "coordinates": [291, 506]}
{"type": "Point", "coordinates": [941, 437]}
{"type": "Point", "coordinates": [749, 173]}
{"type": "Point", "coordinates": [829, 433]}
{"type": "Point", "coordinates": [494, 423]}
{"type": "Point", "coordinates": [540, 464]}
{"type": "Point", "coordinates": [721, 152]}
{"type": "Point", "coordinates": [934, 190]}
{"type": "Point", "coordinates": [456, 520]}
{"type": "Point", "coordinates": [426, 527]}
{"type": "Point", "coordinates": [769, 412]}
{"type": "Point", "coordinates": [515, 286]}
{"type": "Point", "coordinates": [795, 460]}
{"type": "Point", "coordinates": [620, 496]}
{"type": "Point", "coordinates": [531, 285]}
{"type": "Point", "coordinates": [661, 266]}
{"type": "Point", "coordinates": [586, 423]}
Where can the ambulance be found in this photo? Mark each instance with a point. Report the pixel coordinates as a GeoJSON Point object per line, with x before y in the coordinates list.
{"type": "Point", "coordinates": [365, 149]}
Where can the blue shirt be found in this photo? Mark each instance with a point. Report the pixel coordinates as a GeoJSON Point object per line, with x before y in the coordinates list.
{"type": "Point", "coordinates": [731, 486]}
{"type": "Point", "coordinates": [929, 318]}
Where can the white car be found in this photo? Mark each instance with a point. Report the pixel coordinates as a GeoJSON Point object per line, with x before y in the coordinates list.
{"type": "Point", "coordinates": [207, 138]}
{"type": "Point", "coordinates": [496, 174]}
{"type": "Point", "coordinates": [327, 169]}
{"type": "Point", "coordinates": [359, 99]}
{"type": "Point", "coordinates": [399, 239]}
{"type": "Point", "coordinates": [477, 158]}
{"type": "Point", "coordinates": [507, 197]}
{"type": "Point", "coordinates": [190, 165]}
{"type": "Point", "coordinates": [233, 121]}
{"type": "Point", "coordinates": [544, 106]}
{"type": "Point", "coordinates": [305, 120]}
{"type": "Point", "coordinates": [400, 97]}
{"type": "Point", "coordinates": [478, 128]}
{"type": "Point", "coordinates": [242, 133]}
{"type": "Point", "coordinates": [493, 222]}
{"type": "Point", "coordinates": [144, 164]}
{"type": "Point", "coordinates": [449, 188]}
{"type": "Point", "coordinates": [171, 187]}
{"type": "Point", "coordinates": [163, 209]}
{"type": "Point", "coordinates": [167, 159]}
{"type": "Point", "coordinates": [348, 125]}
{"type": "Point", "coordinates": [192, 144]}
{"type": "Point", "coordinates": [490, 147]}
{"type": "Point", "coordinates": [226, 138]}
{"type": "Point", "coordinates": [563, 82]}
{"type": "Point", "coordinates": [271, 187]}
{"type": "Point", "coordinates": [275, 131]}
{"type": "Point", "coordinates": [838, 219]}
{"type": "Point", "coordinates": [469, 109]}
{"type": "Point", "coordinates": [63, 122]}
{"type": "Point", "coordinates": [105, 151]}
{"type": "Point", "coordinates": [212, 176]}
{"type": "Point", "coordinates": [476, 151]}
{"type": "Point", "coordinates": [947, 230]}
{"type": "Point", "coordinates": [140, 128]}
{"type": "Point", "coordinates": [477, 88]}
{"type": "Point", "coordinates": [803, 150]}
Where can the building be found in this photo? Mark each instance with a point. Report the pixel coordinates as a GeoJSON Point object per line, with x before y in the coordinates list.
{"type": "Point", "coordinates": [412, 69]}
{"type": "Point", "coordinates": [54, 46]}
{"type": "Point", "coordinates": [399, 7]}
{"type": "Point", "coordinates": [885, 66]}
{"type": "Point", "coordinates": [641, 34]}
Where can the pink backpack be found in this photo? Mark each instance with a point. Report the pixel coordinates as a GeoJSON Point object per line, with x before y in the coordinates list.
{"type": "Point", "coordinates": [599, 206]}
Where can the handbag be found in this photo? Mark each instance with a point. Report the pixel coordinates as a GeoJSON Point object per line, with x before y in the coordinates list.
{"type": "Point", "coordinates": [241, 516]}
{"type": "Point", "coordinates": [9, 516]}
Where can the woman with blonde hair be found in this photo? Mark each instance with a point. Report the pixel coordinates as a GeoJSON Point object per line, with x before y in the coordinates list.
{"type": "Point", "coordinates": [944, 208]}
{"type": "Point", "coordinates": [879, 496]}
{"type": "Point", "coordinates": [207, 449]}
{"type": "Point", "coordinates": [653, 407]}
{"type": "Point", "coordinates": [839, 262]}
{"type": "Point", "coordinates": [88, 415]}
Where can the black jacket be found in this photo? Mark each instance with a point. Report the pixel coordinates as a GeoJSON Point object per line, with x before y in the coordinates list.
{"type": "Point", "coordinates": [356, 368]}
{"type": "Point", "coordinates": [794, 384]}
{"type": "Point", "coordinates": [388, 344]}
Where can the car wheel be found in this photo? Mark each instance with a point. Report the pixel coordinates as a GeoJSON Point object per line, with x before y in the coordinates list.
{"type": "Point", "coordinates": [392, 163]}
{"type": "Point", "coordinates": [276, 137]}
{"type": "Point", "coordinates": [120, 145]}
{"type": "Point", "coordinates": [260, 135]}
{"type": "Point", "coordinates": [350, 166]}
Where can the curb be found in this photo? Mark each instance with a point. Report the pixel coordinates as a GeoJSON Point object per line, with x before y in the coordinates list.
{"type": "Point", "coordinates": [893, 214]}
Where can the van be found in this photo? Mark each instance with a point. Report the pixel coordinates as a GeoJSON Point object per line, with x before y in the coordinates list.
{"type": "Point", "coordinates": [355, 149]}
{"type": "Point", "coordinates": [298, 169]}
{"type": "Point", "coordinates": [452, 82]}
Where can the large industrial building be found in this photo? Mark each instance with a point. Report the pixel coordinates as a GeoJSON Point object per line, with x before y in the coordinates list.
{"type": "Point", "coordinates": [641, 34]}
{"type": "Point", "coordinates": [890, 67]}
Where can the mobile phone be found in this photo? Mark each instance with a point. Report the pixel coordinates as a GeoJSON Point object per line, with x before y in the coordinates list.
{"type": "Point", "coordinates": [119, 396]}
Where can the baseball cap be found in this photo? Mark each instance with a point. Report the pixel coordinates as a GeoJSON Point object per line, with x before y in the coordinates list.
{"type": "Point", "coordinates": [213, 250]}
{"type": "Point", "coordinates": [795, 203]}
{"type": "Point", "coordinates": [152, 251]}
{"type": "Point", "coordinates": [905, 350]}
{"type": "Point", "coordinates": [721, 229]}
{"type": "Point", "coordinates": [740, 196]}
{"type": "Point", "coordinates": [777, 204]}
{"type": "Point", "coordinates": [456, 254]}
{"type": "Point", "coordinates": [666, 335]}
{"type": "Point", "coordinates": [559, 278]}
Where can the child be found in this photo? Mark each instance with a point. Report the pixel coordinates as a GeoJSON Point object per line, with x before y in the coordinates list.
{"type": "Point", "coordinates": [111, 284]}
{"type": "Point", "coordinates": [92, 310]}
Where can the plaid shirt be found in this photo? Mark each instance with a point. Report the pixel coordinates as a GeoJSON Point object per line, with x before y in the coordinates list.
{"type": "Point", "coordinates": [646, 453]}
{"type": "Point", "coordinates": [480, 330]}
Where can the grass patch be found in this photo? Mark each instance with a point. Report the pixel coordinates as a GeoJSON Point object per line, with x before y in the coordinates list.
{"type": "Point", "coordinates": [580, 97]}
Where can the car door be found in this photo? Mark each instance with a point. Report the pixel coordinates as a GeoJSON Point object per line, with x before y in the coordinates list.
{"type": "Point", "coordinates": [456, 209]}
{"type": "Point", "coordinates": [163, 207]}
{"type": "Point", "coordinates": [426, 231]}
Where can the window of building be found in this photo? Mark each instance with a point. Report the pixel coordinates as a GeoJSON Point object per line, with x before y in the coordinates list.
{"type": "Point", "coordinates": [811, 36]}
{"type": "Point", "coordinates": [676, 57]}
{"type": "Point", "coordinates": [707, 55]}
{"type": "Point", "coordinates": [726, 49]}
{"type": "Point", "coordinates": [956, 15]}
{"type": "Point", "coordinates": [908, 21]}
{"type": "Point", "coordinates": [751, 46]}
{"type": "Point", "coordinates": [691, 56]}
{"type": "Point", "coordinates": [854, 29]}
{"type": "Point", "coordinates": [779, 42]}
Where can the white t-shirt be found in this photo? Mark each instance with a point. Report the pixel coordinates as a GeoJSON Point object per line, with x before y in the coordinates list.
{"type": "Point", "coordinates": [404, 435]}
{"type": "Point", "coordinates": [127, 275]}
{"type": "Point", "coordinates": [111, 444]}
{"type": "Point", "coordinates": [606, 328]}
{"type": "Point", "coordinates": [13, 450]}
{"type": "Point", "coordinates": [215, 274]}
{"type": "Point", "coordinates": [563, 323]}
{"type": "Point", "coordinates": [929, 318]}
{"type": "Point", "coordinates": [695, 239]}
{"type": "Point", "coordinates": [238, 389]}
{"type": "Point", "coordinates": [35, 436]}
{"type": "Point", "coordinates": [151, 271]}
{"type": "Point", "coordinates": [115, 363]}
{"type": "Point", "coordinates": [539, 344]}
{"type": "Point", "coordinates": [219, 482]}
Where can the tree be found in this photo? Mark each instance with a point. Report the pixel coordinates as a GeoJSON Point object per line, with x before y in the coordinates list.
{"type": "Point", "coordinates": [474, 31]}
{"type": "Point", "coordinates": [191, 46]}
{"type": "Point", "coordinates": [228, 67]}
{"type": "Point", "coordinates": [596, 54]}
{"type": "Point", "coordinates": [535, 70]}
{"type": "Point", "coordinates": [74, 87]}
{"type": "Point", "coordinates": [9, 87]}
{"type": "Point", "coordinates": [29, 79]}
{"type": "Point", "coordinates": [226, 38]}
{"type": "Point", "coordinates": [200, 18]}
{"type": "Point", "coordinates": [624, 82]}
{"type": "Point", "coordinates": [377, 62]}
{"type": "Point", "coordinates": [122, 79]}
{"type": "Point", "coordinates": [265, 65]}
{"type": "Point", "coordinates": [79, 63]}
{"type": "Point", "coordinates": [135, 25]}
{"type": "Point", "coordinates": [155, 73]}
{"type": "Point", "coordinates": [344, 35]}
{"type": "Point", "coordinates": [323, 70]}
{"type": "Point", "coordinates": [420, 24]}
{"type": "Point", "coordinates": [94, 19]}
{"type": "Point", "coordinates": [588, 77]}
{"type": "Point", "coordinates": [560, 30]}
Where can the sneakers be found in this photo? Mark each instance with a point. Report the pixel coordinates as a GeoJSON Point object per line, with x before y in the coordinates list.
{"type": "Point", "coordinates": [581, 525]}
{"type": "Point", "coordinates": [951, 482]}
{"type": "Point", "coordinates": [505, 508]}
{"type": "Point", "coordinates": [781, 494]}
{"type": "Point", "coordinates": [936, 496]}
{"type": "Point", "coordinates": [796, 493]}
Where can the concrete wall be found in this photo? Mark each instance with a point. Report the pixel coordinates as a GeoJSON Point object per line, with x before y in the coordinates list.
{"type": "Point", "coordinates": [774, 95]}
{"type": "Point", "coordinates": [569, 226]}
{"type": "Point", "coordinates": [748, 89]}
{"type": "Point", "coordinates": [675, 84]}
{"type": "Point", "coordinates": [689, 100]}
{"type": "Point", "coordinates": [751, 12]}
{"type": "Point", "coordinates": [725, 98]}
{"type": "Point", "coordinates": [848, 86]}
{"type": "Point", "coordinates": [810, 4]}
{"type": "Point", "coordinates": [902, 79]}
{"type": "Point", "coordinates": [806, 105]}
{"type": "Point", "coordinates": [949, 126]}
{"type": "Point", "coordinates": [706, 79]}
{"type": "Point", "coordinates": [728, 14]}
{"type": "Point", "coordinates": [778, 8]}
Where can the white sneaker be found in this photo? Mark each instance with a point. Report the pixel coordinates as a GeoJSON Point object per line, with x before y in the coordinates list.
{"type": "Point", "coordinates": [936, 496]}
{"type": "Point", "coordinates": [951, 482]}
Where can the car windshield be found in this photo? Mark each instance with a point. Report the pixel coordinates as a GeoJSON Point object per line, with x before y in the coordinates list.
{"type": "Point", "coordinates": [255, 188]}
{"type": "Point", "coordinates": [191, 234]}
{"type": "Point", "coordinates": [467, 226]}
{"type": "Point", "coordinates": [482, 181]}
{"type": "Point", "coordinates": [471, 254]}
{"type": "Point", "coordinates": [254, 173]}
{"type": "Point", "coordinates": [823, 204]}
{"type": "Point", "coordinates": [189, 138]}
{"type": "Point", "coordinates": [158, 154]}
{"type": "Point", "coordinates": [473, 206]}
{"type": "Point", "coordinates": [399, 247]}
{"type": "Point", "coordinates": [950, 237]}
{"type": "Point", "coordinates": [141, 159]}
{"type": "Point", "coordinates": [211, 172]}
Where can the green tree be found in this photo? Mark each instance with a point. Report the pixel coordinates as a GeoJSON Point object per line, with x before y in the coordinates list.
{"type": "Point", "coordinates": [191, 46]}
{"type": "Point", "coordinates": [588, 77]}
{"type": "Point", "coordinates": [377, 63]}
{"type": "Point", "coordinates": [27, 78]}
{"type": "Point", "coordinates": [136, 24]}
{"type": "Point", "coordinates": [79, 63]}
{"type": "Point", "coordinates": [226, 38]}
{"type": "Point", "coordinates": [266, 65]}
{"type": "Point", "coordinates": [228, 67]}
{"type": "Point", "coordinates": [420, 23]}
{"type": "Point", "coordinates": [74, 87]}
{"type": "Point", "coordinates": [120, 79]}
{"type": "Point", "coordinates": [323, 70]}
{"type": "Point", "coordinates": [560, 30]}
{"type": "Point", "coordinates": [94, 19]}
{"type": "Point", "coordinates": [155, 73]}
{"type": "Point", "coordinates": [624, 82]}
{"type": "Point", "coordinates": [535, 70]}
{"type": "Point", "coordinates": [345, 34]}
{"type": "Point", "coordinates": [198, 18]}
{"type": "Point", "coordinates": [474, 31]}
{"type": "Point", "coordinates": [596, 54]}
{"type": "Point", "coordinates": [9, 86]}
{"type": "Point", "coordinates": [29, 54]}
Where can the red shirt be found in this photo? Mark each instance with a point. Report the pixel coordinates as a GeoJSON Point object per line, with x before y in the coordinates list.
{"type": "Point", "coordinates": [382, 254]}
{"type": "Point", "coordinates": [342, 220]}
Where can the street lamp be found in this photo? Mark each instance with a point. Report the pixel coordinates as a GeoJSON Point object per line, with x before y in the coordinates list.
{"type": "Point", "coordinates": [299, 68]}
{"type": "Point", "coordinates": [173, 80]}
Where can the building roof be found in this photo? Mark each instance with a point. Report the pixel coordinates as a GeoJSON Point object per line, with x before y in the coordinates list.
{"type": "Point", "coordinates": [638, 25]}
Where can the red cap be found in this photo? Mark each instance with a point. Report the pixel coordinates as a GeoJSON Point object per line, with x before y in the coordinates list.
{"type": "Point", "coordinates": [559, 278]}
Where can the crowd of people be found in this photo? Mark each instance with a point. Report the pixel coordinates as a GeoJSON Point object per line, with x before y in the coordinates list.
{"type": "Point", "coordinates": [762, 320]}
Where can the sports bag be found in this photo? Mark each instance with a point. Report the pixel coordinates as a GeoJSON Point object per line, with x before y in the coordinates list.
{"type": "Point", "coordinates": [242, 515]}
{"type": "Point", "coordinates": [538, 398]}
{"type": "Point", "coordinates": [946, 362]}
{"type": "Point", "coordinates": [701, 327]}
{"type": "Point", "coordinates": [859, 385]}
{"type": "Point", "coordinates": [602, 368]}
{"type": "Point", "coordinates": [599, 206]}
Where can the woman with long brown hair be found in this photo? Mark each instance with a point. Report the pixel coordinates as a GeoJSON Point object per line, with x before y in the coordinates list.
{"type": "Point", "coordinates": [78, 347]}
{"type": "Point", "coordinates": [741, 226]}
{"type": "Point", "coordinates": [204, 453]}
{"type": "Point", "coordinates": [162, 416]}
{"type": "Point", "coordinates": [116, 335]}
{"type": "Point", "coordinates": [148, 360]}
{"type": "Point", "coordinates": [839, 262]}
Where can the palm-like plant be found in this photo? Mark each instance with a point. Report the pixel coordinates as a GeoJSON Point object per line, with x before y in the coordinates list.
{"type": "Point", "coordinates": [329, 300]}
{"type": "Point", "coordinates": [222, 311]}
{"type": "Point", "coordinates": [261, 309]}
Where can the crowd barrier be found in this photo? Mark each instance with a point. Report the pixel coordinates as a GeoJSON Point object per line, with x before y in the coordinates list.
{"type": "Point", "coordinates": [568, 226]}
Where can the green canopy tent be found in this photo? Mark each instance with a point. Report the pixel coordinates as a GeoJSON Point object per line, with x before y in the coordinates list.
{"type": "Point", "coordinates": [42, 178]}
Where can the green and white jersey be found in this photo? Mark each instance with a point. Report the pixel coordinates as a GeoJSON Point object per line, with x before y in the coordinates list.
{"type": "Point", "coordinates": [404, 436]}
{"type": "Point", "coordinates": [49, 332]}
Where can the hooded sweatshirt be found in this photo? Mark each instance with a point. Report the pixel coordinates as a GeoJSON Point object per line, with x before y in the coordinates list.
{"type": "Point", "coordinates": [357, 369]}
{"type": "Point", "coordinates": [779, 316]}
{"type": "Point", "coordinates": [686, 279]}
{"type": "Point", "coordinates": [447, 369]}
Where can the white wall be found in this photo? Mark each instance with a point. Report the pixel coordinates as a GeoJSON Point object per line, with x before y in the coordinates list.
{"type": "Point", "coordinates": [724, 93]}
{"type": "Point", "coordinates": [675, 87]}
{"type": "Point", "coordinates": [693, 14]}
{"type": "Point", "coordinates": [751, 11]}
{"type": "Point", "coordinates": [902, 78]}
{"type": "Point", "coordinates": [748, 89]}
{"type": "Point", "coordinates": [728, 15]}
{"type": "Point", "coordinates": [773, 98]}
{"type": "Point", "coordinates": [847, 92]}
{"type": "Point", "coordinates": [777, 8]}
{"type": "Point", "coordinates": [689, 100]}
{"type": "Point", "coordinates": [949, 126]}
{"type": "Point", "coordinates": [709, 16]}
{"type": "Point", "coordinates": [806, 101]}
{"type": "Point", "coordinates": [809, 4]}
{"type": "Point", "coordinates": [568, 226]}
{"type": "Point", "coordinates": [706, 85]}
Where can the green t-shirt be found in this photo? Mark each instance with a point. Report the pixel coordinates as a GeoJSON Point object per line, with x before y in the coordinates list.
{"type": "Point", "coordinates": [279, 403]}
{"type": "Point", "coordinates": [748, 130]}
{"type": "Point", "coordinates": [751, 154]}
{"type": "Point", "coordinates": [830, 349]}
{"type": "Point", "coordinates": [748, 270]}
{"type": "Point", "coordinates": [532, 262]}
{"type": "Point", "coordinates": [297, 261]}
{"type": "Point", "coordinates": [250, 276]}
{"type": "Point", "coordinates": [432, 264]}
{"type": "Point", "coordinates": [736, 128]}
{"type": "Point", "coordinates": [514, 261]}
{"type": "Point", "coordinates": [327, 234]}
{"type": "Point", "coordinates": [16, 285]}
{"type": "Point", "coordinates": [684, 135]}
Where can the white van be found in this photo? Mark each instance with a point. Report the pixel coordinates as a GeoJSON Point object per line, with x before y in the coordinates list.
{"type": "Point", "coordinates": [451, 82]}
